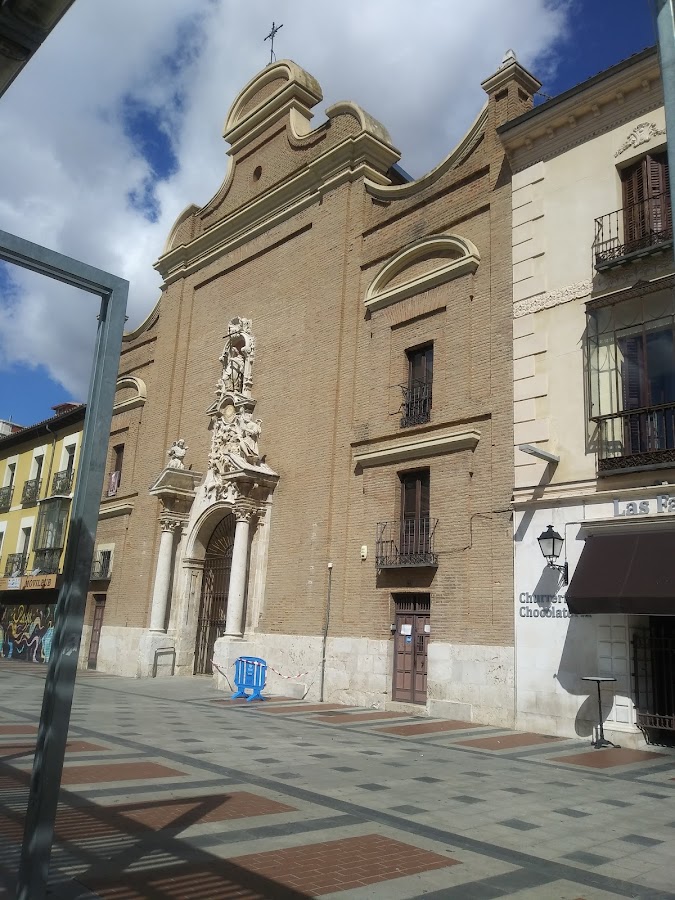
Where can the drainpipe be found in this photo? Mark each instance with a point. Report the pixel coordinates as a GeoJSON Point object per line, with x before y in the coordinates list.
{"type": "Point", "coordinates": [664, 20]}
{"type": "Point", "coordinates": [325, 631]}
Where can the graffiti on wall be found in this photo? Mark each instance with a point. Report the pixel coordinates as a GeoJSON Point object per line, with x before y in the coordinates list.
{"type": "Point", "coordinates": [26, 631]}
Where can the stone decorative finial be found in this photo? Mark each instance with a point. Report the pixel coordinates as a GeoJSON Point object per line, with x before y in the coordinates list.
{"type": "Point", "coordinates": [176, 454]}
{"type": "Point", "coordinates": [509, 57]}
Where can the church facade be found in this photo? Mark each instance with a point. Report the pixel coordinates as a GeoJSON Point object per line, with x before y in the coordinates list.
{"type": "Point", "coordinates": [330, 366]}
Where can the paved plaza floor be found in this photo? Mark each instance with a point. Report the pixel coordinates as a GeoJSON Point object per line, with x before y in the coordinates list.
{"type": "Point", "coordinates": [170, 791]}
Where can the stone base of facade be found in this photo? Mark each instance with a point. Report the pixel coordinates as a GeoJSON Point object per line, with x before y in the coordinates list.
{"type": "Point", "coordinates": [128, 652]}
{"type": "Point", "coordinates": [472, 683]}
{"type": "Point", "coordinates": [156, 654]}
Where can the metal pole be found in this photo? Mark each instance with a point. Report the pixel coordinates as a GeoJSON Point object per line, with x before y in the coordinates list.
{"type": "Point", "coordinates": [325, 631]}
{"type": "Point", "coordinates": [665, 29]}
{"type": "Point", "coordinates": [60, 682]}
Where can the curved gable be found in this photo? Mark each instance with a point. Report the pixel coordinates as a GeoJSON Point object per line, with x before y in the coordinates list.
{"type": "Point", "coordinates": [420, 266]}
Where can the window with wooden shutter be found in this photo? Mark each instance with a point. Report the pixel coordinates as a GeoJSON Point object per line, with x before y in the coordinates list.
{"type": "Point", "coordinates": [647, 215]}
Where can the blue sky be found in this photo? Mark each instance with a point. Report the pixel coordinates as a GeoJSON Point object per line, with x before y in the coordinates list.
{"type": "Point", "coordinates": [99, 168]}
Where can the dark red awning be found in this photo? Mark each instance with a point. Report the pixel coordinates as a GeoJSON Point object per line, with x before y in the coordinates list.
{"type": "Point", "coordinates": [625, 573]}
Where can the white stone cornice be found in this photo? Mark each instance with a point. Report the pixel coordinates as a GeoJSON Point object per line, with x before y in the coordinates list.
{"type": "Point", "coordinates": [416, 446]}
{"type": "Point", "coordinates": [119, 509]}
{"type": "Point", "coordinates": [552, 298]}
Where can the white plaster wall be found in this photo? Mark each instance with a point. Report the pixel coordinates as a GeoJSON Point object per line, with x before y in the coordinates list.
{"type": "Point", "coordinates": [553, 650]}
{"type": "Point", "coordinates": [555, 204]}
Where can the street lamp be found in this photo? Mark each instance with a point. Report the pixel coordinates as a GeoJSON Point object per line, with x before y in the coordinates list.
{"type": "Point", "coordinates": [550, 544]}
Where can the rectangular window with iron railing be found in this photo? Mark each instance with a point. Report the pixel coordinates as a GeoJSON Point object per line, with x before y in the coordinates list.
{"type": "Point", "coordinates": [31, 492]}
{"type": "Point", "coordinates": [6, 497]}
{"type": "Point", "coordinates": [417, 391]}
{"type": "Point", "coordinates": [46, 562]}
{"type": "Point", "coordinates": [644, 224]}
{"type": "Point", "coordinates": [101, 565]}
{"type": "Point", "coordinates": [409, 541]}
{"type": "Point", "coordinates": [631, 368]}
{"type": "Point", "coordinates": [15, 564]}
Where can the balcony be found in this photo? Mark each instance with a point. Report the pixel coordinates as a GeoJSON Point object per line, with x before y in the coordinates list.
{"type": "Point", "coordinates": [6, 497]}
{"type": "Point", "coordinates": [100, 567]}
{"type": "Point", "coordinates": [31, 492]}
{"type": "Point", "coordinates": [62, 482]}
{"type": "Point", "coordinates": [46, 562]}
{"type": "Point", "coordinates": [636, 438]}
{"type": "Point", "coordinates": [406, 543]}
{"type": "Point", "coordinates": [416, 406]}
{"type": "Point", "coordinates": [632, 232]}
{"type": "Point", "coordinates": [15, 565]}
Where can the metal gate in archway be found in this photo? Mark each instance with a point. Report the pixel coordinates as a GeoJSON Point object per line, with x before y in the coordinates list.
{"type": "Point", "coordinates": [215, 585]}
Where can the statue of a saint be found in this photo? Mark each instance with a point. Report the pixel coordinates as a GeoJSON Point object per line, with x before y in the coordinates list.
{"type": "Point", "coordinates": [176, 455]}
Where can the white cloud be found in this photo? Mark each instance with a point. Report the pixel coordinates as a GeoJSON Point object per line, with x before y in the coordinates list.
{"type": "Point", "coordinates": [70, 158]}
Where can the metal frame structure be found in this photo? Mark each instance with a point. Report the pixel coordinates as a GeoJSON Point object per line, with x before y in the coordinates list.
{"type": "Point", "coordinates": [60, 682]}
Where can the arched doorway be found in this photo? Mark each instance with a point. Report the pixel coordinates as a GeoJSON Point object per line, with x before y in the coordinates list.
{"type": "Point", "coordinates": [215, 584]}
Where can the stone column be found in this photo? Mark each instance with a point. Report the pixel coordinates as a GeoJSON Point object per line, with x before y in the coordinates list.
{"type": "Point", "coordinates": [160, 593]}
{"type": "Point", "coordinates": [234, 624]}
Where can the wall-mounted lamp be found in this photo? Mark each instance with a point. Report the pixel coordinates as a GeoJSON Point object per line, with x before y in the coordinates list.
{"type": "Point", "coordinates": [551, 544]}
{"type": "Point", "coordinates": [393, 627]}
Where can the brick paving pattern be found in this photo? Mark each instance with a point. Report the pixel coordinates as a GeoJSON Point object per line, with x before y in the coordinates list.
{"type": "Point", "coordinates": [342, 865]}
{"type": "Point", "coordinates": [214, 799]}
{"type": "Point", "coordinates": [132, 771]}
{"type": "Point", "coordinates": [607, 759]}
{"type": "Point", "coordinates": [508, 741]}
{"type": "Point", "coordinates": [427, 727]}
{"type": "Point", "coordinates": [10, 750]}
{"type": "Point", "coordinates": [349, 718]}
{"type": "Point", "coordinates": [18, 729]}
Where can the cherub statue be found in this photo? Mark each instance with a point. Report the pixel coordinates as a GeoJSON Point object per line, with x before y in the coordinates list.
{"type": "Point", "coordinates": [176, 455]}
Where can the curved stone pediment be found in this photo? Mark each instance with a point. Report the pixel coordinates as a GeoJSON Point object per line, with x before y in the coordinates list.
{"type": "Point", "coordinates": [129, 393]}
{"type": "Point", "coordinates": [420, 266]}
{"type": "Point", "coordinates": [280, 87]}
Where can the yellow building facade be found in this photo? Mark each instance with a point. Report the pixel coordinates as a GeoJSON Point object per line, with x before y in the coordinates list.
{"type": "Point", "coordinates": [38, 469]}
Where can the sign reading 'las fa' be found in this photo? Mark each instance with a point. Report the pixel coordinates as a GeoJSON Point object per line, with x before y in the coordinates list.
{"type": "Point", "coordinates": [663, 503]}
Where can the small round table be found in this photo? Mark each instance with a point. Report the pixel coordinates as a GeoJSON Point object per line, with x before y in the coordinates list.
{"type": "Point", "coordinates": [601, 740]}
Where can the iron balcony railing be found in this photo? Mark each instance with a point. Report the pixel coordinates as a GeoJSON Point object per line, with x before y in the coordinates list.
{"type": "Point", "coordinates": [46, 562]}
{"type": "Point", "coordinates": [100, 567]}
{"type": "Point", "coordinates": [633, 231]}
{"type": "Point", "coordinates": [31, 491]}
{"type": "Point", "coordinates": [62, 481]}
{"type": "Point", "coordinates": [405, 542]}
{"type": "Point", "coordinates": [416, 406]}
{"type": "Point", "coordinates": [16, 564]}
{"type": "Point", "coordinates": [636, 437]}
{"type": "Point", "coordinates": [6, 497]}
